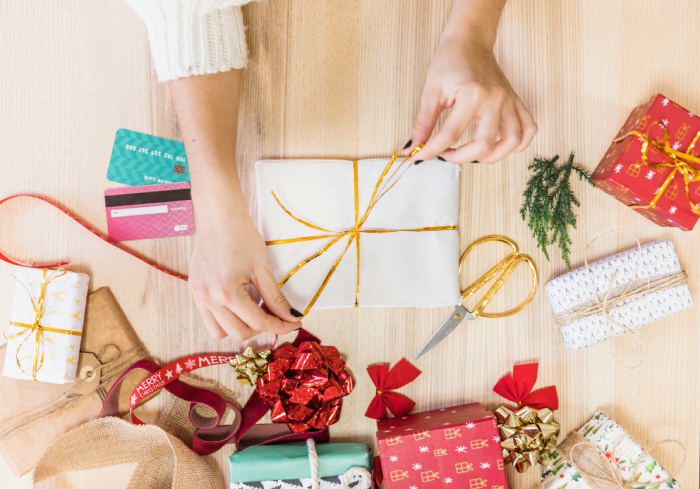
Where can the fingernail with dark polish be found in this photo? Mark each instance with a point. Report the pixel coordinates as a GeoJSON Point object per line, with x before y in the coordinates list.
{"type": "Point", "coordinates": [296, 313]}
{"type": "Point", "coordinates": [419, 162]}
{"type": "Point", "coordinates": [441, 158]}
{"type": "Point", "coordinates": [475, 161]}
{"type": "Point", "coordinates": [408, 144]}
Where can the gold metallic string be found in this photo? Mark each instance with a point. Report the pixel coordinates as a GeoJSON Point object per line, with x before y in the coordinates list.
{"type": "Point", "coordinates": [38, 328]}
{"type": "Point", "coordinates": [680, 162]}
{"type": "Point", "coordinates": [382, 186]}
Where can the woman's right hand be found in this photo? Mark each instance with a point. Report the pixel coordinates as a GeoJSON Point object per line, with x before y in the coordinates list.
{"type": "Point", "coordinates": [229, 254]}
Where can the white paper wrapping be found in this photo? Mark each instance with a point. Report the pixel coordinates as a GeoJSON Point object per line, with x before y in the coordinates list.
{"type": "Point", "coordinates": [618, 447]}
{"type": "Point", "coordinates": [568, 291]}
{"type": "Point", "coordinates": [64, 308]}
{"type": "Point", "coordinates": [407, 269]}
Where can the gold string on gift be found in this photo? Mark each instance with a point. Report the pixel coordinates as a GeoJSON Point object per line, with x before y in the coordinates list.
{"type": "Point", "coordinates": [382, 186]}
{"type": "Point", "coordinates": [36, 327]}
{"type": "Point", "coordinates": [680, 162]}
{"type": "Point", "coordinates": [632, 292]}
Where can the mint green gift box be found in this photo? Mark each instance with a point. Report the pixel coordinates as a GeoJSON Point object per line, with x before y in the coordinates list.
{"type": "Point", "coordinates": [291, 462]}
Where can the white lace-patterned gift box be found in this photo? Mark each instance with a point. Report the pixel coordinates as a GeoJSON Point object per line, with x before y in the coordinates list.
{"type": "Point", "coordinates": [64, 309]}
{"type": "Point", "coordinates": [573, 290]}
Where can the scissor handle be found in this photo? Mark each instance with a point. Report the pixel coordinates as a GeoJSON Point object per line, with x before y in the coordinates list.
{"type": "Point", "coordinates": [507, 265]}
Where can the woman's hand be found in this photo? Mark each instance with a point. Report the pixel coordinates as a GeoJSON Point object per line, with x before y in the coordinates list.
{"type": "Point", "coordinates": [464, 75]}
{"type": "Point", "coordinates": [230, 254]}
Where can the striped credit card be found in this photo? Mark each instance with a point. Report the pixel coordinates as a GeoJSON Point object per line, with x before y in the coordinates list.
{"type": "Point", "coordinates": [141, 159]}
{"type": "Point", "coordinates": [147, 212]}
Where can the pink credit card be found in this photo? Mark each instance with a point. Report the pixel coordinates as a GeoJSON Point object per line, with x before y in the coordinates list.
{"type": "Point", "coordinates": [150, 211]}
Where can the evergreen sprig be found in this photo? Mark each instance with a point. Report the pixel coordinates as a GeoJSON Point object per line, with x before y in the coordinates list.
{"type": "Point", "coordinates": [549, 203]}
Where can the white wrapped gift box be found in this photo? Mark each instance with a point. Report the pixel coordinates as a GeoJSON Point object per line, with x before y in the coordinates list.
{"type": "Point", "coordinates": [572, 290]}
{"type": "Point", "coordinates": [402, 269]}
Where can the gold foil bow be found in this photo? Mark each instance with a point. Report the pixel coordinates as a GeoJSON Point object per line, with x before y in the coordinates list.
{"type": "Point", "coordinates": [528, 436]}
{"type": "Point", "coordinates": [251, 365]}
{"type": "Point", "coordinates": [37, 327]}
{"type": "Point", "coordinates": [680, 162]}
{"type": "Point", "coordinates": [354, 233]}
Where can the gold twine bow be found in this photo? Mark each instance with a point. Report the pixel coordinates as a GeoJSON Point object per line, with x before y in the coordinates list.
{"type": "Point", "coordinates": [680, 162]}
{"type": "Point", "coordinates": [594, 467]}
{"type": "Point", "coordinates": [37, 327]}
{"type": "Point", "coordinates": [529, 436]}
{"type": "Point", "coordinates": [380, 189]}
{"type": "Point", "coordinates": [251, 365]}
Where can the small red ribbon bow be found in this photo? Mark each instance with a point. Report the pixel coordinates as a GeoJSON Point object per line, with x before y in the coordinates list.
{"type": "Point", "coordinates": [518, 388]}
{"type": "Point", "coordinates": [385, 381]}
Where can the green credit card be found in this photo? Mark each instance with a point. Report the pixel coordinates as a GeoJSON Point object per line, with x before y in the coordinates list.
{"type": "Point", "coordinates": [142, 159]}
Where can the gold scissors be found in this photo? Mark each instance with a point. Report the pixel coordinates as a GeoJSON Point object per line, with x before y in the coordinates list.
{"type": "Point", "coordinates": [507, 265]}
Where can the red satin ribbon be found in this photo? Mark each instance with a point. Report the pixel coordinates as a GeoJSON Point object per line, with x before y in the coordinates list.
{"type": "Point", "coordinates": [518, 388]}
{"type": "Point", "coordinates": [103, 238]}
{"type": "Point", "coordinates": [209, 435]}
{"type": "Point", "coordinates": [385, 381]}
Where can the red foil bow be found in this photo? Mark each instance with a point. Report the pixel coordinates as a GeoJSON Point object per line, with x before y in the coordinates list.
{"type": "Point", "coordinates": [304, 386]}
{"type": "Point", "coordinates": [518, 388]}
{"type": "Point", "coordinates": [385, 381]}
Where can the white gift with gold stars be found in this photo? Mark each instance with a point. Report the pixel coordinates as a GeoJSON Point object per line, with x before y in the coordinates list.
{"type": "Point", "coordinates": [63, 309]}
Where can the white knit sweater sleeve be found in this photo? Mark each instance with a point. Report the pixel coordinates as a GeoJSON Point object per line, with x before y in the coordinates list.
{"type": "Point", "coordinates": [194, 37]}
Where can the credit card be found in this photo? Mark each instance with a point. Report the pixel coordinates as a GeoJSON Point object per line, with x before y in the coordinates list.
{"type": "Point", "coordinates": [151, 211]}
{"type": "Point", "coordinates": [141, 159]}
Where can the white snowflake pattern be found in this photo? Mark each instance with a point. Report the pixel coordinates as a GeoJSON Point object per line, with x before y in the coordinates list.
{"type": "Point", "coordinates": [427, 417]}
{"type": "Point", "coordinates": [657, 191]}
{"type": "Point", "coordinates": [462, 449]}
{"type": "Point", "coordinates": [470, 426]}
{"type": "Point", "coordinates": [387, 431]}
{"type": "Point", "coordinates": [413, 487]}
{"type": "Point", "coordinates": [454, 411]}
{"type": "Point", "coordinates": [392, 427]}
{"type": "Point", "coordinates": [676, 145]}
{"type": "Point", "coordinates": [423, 449]}
{"type": "Point", "coordinates": [650, 175]}
{"type": "Point", "coordinates": [169, 374]}
{"type": "Point", "coordinates": [618, 167]}
{"type": "Point", "coordinates": [133, 400]}
{"type": "Point", "coordinates": [394, 458]}
{"type": "Point", "coordinates": [485, 465]}
{"type": "Point", "coordinates": [641, 140]}
{"type": "Point", "coordinates": [190, 364]}
{"type": "Point", "coordinates": [664, 122]}
{"type": "Point", "coordinates": [672, 210]}
{"type": "Point", "coordinates": [497, 439]}
{"type": "Point", "coordinates": [417, 466]}
{"type": "Point", "coordinates": [665, 102]}
{"type": "Point", "coordinates": [178, 368]}
{"type": "Point", "coordinates": [690, 114]}
{"type": "Point", "coordinates": [448, 480]}
{"type": "Point", "coordinates": [409, 429]}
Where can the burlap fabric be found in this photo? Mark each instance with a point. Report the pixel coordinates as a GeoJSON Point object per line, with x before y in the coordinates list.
{"type": "Point", "coordinates": [161, 451]}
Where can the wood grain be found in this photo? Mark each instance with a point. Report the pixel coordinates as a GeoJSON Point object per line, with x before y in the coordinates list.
{"type": "Point", "coordinates": [343, 79]}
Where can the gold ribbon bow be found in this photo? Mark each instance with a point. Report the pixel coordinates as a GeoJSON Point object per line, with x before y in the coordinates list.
{"type": "Point", "coordinates": [529, 436]}
{"type": "Point", "coordinates": [680, 162]}
{"type": "Point", "coordinates": [354, 233]}
{"type": "Point", "coordinates": [599, 471]}
{"type": "Point", "coordinates": [37, 327]}
{"type": "Point", "coordinates": [251, 365]}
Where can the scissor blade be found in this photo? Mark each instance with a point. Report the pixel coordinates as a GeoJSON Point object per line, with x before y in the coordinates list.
{"type": "Point", "coordinates": [447, 326]}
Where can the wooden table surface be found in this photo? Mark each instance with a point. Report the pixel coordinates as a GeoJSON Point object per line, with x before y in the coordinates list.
{"type": "Point", "coordinates": [343, 79]}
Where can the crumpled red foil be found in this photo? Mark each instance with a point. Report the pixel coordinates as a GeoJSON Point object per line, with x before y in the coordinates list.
{"type": "Point", "coordinates": [304, 386]}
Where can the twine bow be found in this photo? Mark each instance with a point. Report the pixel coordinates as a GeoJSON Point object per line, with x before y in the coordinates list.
{"type": "Point", "coordinates": [380, 189]}
{"type": "Point", "coordinates": [593, 466]}
{"type": "Point", "coordinates": [680, 162]}
{"type": "Point", "coordinates": [36, 326]}
{"type": "Point", "coordinates": [386, 381]}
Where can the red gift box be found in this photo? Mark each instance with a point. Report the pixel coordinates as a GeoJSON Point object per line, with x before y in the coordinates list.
{"type": "Point", "coordinates": [653, 165]}
{"type": "Point", "coordinates": [455, 447]}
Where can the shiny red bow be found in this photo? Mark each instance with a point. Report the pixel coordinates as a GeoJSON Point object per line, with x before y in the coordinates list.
{"type": "Point", "coordinates": [385, 381]}
{"type": "Point", "coordinates": [518, 388]}
{"type": "Point", "coordinates": [304, 386]}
